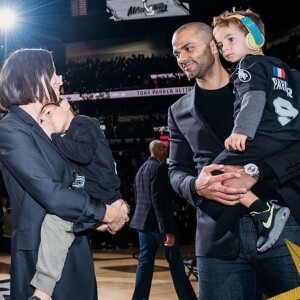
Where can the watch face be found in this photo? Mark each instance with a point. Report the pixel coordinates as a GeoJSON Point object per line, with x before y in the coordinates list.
{"type": "Point", "coordinates": [251, 169]}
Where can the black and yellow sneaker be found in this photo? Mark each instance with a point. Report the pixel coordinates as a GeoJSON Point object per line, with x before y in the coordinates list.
{"type": "Point", "coordinates": [271, 223]}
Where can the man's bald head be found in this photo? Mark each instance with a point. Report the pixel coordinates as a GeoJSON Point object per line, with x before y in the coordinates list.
{"type": "Point", "coordinates": [201, 29]}
{"type": "Point", "coordinates": [158, 150]}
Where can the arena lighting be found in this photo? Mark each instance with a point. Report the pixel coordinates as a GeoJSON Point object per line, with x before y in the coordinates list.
{"type": "Point", "coordinates": [7, 20]}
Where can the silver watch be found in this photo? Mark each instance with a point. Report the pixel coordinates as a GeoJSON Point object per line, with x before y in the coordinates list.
{"type": "Point", "coordinates": [252, 170]}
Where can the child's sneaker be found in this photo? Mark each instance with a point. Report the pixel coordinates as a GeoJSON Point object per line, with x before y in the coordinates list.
{"type": "Point", "coordinates": [271, 223]}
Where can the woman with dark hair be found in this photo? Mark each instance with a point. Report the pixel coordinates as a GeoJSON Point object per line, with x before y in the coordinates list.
{"type": "Point", "coordinates": [40, 180]}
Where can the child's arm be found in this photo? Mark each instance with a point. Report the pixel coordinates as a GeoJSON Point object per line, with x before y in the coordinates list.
{"type": "Point", "coordinates": [236, 141]}
{"type": "Point", "coordinates": [78, 144]}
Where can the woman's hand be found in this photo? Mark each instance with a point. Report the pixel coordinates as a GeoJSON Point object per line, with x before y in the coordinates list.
{"type": "Point", "coordinates": [115, 217]}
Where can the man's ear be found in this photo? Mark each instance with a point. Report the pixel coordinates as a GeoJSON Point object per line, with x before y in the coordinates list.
{"type": "Point", "coordinates": [64, 104]}
{"type": "Point", "coordinates": [214, 47]}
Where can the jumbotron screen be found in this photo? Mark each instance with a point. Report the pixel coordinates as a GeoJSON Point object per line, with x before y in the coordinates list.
{"type": "Point", "coordinates": [121, 10]}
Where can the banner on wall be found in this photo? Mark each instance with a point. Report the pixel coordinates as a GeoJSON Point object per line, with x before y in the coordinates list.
{"type": "Point", "coordinates": [150, 92]}
{"type": "Point", "coordinates": [129, 94]}
{"type": "Point", "coordinates": [121, 10]}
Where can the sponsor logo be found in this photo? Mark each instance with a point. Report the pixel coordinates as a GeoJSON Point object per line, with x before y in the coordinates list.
{"type": "Point", "coordinates": [269, 222]}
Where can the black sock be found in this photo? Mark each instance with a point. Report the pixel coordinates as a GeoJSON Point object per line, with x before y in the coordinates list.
{"type": "Point", "coordinates": [258, 206]}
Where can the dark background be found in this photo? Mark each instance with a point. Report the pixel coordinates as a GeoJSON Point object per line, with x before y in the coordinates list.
{"type": "Point", "coordinates": [49, 23]}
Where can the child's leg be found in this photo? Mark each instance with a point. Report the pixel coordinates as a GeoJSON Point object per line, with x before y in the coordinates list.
{"type": "Point", "coordinates": [270, 217]}
{"type": "Point", "coordinates": [249, 198]}
{"type": "Point", "coordinates": [254, 204]}
{"type": "Point", "coordinates": [56, 239]}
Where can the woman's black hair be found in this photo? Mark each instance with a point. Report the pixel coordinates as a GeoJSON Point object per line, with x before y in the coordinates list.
{"type": "Point", "coordinates": [26, 77]}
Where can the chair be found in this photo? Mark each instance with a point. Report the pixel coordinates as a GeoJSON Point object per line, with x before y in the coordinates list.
{"type": "Point", "coordinates": [191, 264]}
{"type": "Point", "coordinates": [136, 254]}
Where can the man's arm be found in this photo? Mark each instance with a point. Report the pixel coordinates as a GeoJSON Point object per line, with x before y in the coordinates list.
{"type": "Point", "coordinates": [182, 169]}
{"type": "Point", "coordinates": [183, 173]}
{"type": "Point", "coordinates": [285, 165]}
{"type": "Point", "coordinates": [280, 168]}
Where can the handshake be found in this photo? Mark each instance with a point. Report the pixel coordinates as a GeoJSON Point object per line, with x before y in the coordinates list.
{"type": "Point", "coordinates": [117, 214]}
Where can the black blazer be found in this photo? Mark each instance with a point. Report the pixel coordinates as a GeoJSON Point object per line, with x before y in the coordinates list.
{"type": "Point", "coordinates": [193, 145]}
{"type": "Point", "coordinates": [153, 198]}
{"type": "Point", "coordinates": [38, 179]}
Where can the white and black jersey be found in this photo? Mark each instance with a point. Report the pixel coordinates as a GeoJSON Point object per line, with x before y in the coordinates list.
{"type": "Point", "coordinates": [266, 108]}
{"type": "Point", "coordinates": [277, 113]}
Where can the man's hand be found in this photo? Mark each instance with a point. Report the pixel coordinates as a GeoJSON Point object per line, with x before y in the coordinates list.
{"type": "Point", "coordinates": [170, 239]}
{"type": "Point", "coordinates": [212, 187]}
{"type": "Point", "coordinates": [245, 181]}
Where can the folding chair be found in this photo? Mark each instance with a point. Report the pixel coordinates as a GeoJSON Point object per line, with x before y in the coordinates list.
{"type": "Point", "coordinates": [191, 264]}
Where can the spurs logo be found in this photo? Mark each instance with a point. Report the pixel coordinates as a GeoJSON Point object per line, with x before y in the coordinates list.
{"type": "Point", "coordinates": [149, 11]}
{"type": "Point", "coordinates": [244, 75]}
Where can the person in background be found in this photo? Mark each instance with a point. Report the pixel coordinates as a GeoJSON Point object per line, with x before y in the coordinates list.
{"type": "Point", "coordinates": [229, 265]}
{"type": "Point", "coordinates": [40, 180]}
{"type": "Point", "coordinates": [154, 220]}
{"type": "Point", "coordinates": [82, 141]}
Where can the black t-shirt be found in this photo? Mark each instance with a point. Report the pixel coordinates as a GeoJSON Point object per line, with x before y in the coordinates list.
{"type": "Point", "coordinates": [216, 107]}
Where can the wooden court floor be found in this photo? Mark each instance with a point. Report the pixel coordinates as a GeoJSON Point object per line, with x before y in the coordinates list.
{"type": "Point", "coordinates": [115, 273]}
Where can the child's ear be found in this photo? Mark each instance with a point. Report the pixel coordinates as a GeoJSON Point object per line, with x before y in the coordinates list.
{"type": "Point", "coordinates": [65, 105]}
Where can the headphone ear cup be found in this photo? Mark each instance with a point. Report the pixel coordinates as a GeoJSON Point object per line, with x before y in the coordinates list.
{"type": "Point", "coordinates": [250, 42]}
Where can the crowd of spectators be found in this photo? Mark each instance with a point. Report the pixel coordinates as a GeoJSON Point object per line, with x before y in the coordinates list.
{"type": "Point", "coordinates": [288, 51]}
{"type": "Point", "coordinates": [127, 73]}
{"type": "Point", "coordinates": [121, 73]}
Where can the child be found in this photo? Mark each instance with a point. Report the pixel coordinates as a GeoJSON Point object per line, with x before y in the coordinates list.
{"type": "Point", "coordinates": [82, 141]}
{"type": "Point", "coordinates": [266, 110]}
